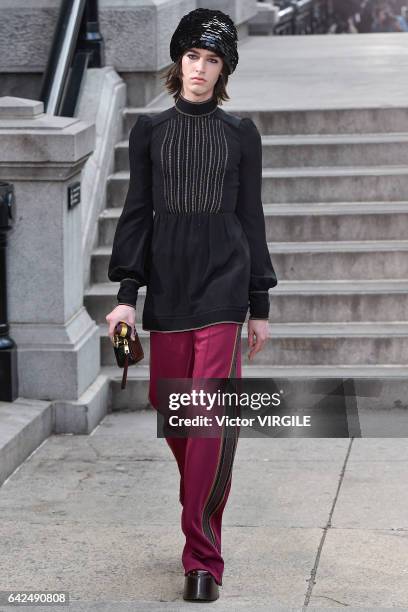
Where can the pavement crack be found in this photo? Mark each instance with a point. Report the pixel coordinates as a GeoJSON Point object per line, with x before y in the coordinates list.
{"type": "Point", "coordinates": [97, 452]}
{"type": "Point", "coordinates": [332, 599]}
{"type": "Point", "coordinates": [313, 573]}
{"type": "Point", "coordinates": [83, 478]}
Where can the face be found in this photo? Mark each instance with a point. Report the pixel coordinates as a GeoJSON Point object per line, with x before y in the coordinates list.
{"type": "Point", "coordinates": [204, 64]}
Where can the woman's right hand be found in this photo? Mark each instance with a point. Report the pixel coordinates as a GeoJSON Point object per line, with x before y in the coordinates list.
{"type": "Point", "coordinates": [122, 312]}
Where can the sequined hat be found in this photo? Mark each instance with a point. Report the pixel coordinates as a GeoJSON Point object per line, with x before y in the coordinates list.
{"type": "Point", "coordinates": [206, 29]}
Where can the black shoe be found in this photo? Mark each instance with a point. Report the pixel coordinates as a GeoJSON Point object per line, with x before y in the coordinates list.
{"type": "Point", "coordinates": [200, 585]}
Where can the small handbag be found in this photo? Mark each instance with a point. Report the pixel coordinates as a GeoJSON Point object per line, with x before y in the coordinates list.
{"type": "Point", "coordinates": [127, 351]}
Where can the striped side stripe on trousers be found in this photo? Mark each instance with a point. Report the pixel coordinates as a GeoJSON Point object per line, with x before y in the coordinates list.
{"type": "Point", "coordinates": [225, 462]}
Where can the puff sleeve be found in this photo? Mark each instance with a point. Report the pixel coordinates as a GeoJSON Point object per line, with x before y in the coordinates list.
{"type": "Point", "coordinates": [130, 258]}
{"type": "Point", "coordinates": [249, 210]}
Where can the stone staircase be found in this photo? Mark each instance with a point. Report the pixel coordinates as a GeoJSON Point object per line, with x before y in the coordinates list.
{"type": "Point", "coordinates": [335, 186]}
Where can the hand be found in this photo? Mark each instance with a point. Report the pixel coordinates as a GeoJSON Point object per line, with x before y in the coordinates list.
{"type": "Point", "coordinates": [122, 312]}
{"type": "Point", "coordinates": [257, 334]}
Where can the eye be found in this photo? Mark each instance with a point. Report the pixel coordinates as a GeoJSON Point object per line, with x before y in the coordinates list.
{"type": "Point", "coordinates": [193, 56]}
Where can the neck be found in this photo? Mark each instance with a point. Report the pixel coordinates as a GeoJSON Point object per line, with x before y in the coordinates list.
{"type": "Point", "coordinates": [187, 107]}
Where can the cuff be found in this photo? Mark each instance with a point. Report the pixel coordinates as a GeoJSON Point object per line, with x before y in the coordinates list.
{"type": "Point", "coordinates": [127, 293]}
{"type": "Point", "coordinates": [259, 304]}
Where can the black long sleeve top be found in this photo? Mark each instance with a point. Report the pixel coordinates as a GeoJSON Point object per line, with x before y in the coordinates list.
{"type": "Point", "coordinates": [192, 227]}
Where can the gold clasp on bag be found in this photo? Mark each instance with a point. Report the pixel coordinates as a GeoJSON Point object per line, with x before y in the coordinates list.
{"type": "Point", "coordinates": [118, 341]}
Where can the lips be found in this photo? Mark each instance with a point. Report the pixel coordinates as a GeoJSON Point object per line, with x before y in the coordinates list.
{"type": "Point", "coordinates": [197, 79]}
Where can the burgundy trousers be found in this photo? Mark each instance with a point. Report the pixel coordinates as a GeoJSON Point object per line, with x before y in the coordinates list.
{"type": "Point", "coordinates": [205, 464]}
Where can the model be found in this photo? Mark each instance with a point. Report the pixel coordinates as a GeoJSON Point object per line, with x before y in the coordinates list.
{"type": "Point", "coordinates": [192, 231]}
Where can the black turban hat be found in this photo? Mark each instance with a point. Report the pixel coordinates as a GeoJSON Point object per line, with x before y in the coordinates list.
{"type": "Point", "coordinates": [206, 29]}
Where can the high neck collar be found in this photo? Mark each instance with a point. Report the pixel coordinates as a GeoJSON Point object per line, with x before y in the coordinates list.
{"type": "Point", "coordinates": [196, 108]}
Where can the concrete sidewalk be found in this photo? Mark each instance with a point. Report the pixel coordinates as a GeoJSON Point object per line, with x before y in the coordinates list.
{"type": "Point", "coordinates": [310, 523]}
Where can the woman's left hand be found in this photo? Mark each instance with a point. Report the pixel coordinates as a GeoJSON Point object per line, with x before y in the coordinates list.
{"type": "Point", "coordinates": [258, 331]}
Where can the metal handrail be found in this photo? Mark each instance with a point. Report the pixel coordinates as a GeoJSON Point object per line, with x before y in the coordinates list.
{"type": "Point", "coordinates": [302, 17]}
{"type": "Point", "coordinates": [76, 45]}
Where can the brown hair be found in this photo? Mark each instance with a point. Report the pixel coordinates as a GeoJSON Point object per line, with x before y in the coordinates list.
{"type": "Point", "coordinates": [174, 81]}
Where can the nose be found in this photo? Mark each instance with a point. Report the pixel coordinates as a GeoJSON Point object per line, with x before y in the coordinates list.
{"type": "Point", "coordinates": [201, 64]}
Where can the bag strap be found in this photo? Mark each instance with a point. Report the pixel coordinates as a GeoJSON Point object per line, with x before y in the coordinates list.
{"type": "Point", "coordinates": [125, 369]}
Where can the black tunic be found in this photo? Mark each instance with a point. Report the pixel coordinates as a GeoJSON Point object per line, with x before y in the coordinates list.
{"type": "Point", "coordinates": [192, 227]}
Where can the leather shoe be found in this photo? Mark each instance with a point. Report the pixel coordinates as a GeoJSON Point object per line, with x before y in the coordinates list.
{"type": "Point", "coordinates": [200, 585]}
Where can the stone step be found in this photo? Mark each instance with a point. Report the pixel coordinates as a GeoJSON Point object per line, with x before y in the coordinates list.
{"type": "Point", "coordinates": [24, 425]}
{"type": "Point", "coordinates": [370, 259]}
{"type": "Point", "coordinates": [297, 301]}
{"type": "Point", "coordinates": [351, 150]}
{"type": "Point", "coordinates": [334, 221]}
{"type": "Point", "coordinates": [329, 184]}
{"type": "Point", "coordinates": [289, 150]}
{"type": "Point", "coordinates": [314, 184]}
{"type": "Point", "coordinates": [366, 120]}
{"type": "Point", "coordinates": [387, 372]}
{"type": "Point", "coordinates": [375, 386]}
{"type": "Point", "coordinates": [310, 344]}
{"type": "Point", "coordinates": [311, 221]}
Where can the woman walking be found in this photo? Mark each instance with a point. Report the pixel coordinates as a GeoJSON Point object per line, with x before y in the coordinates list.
{"type": "Point", "coordinates": [193, 231]}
